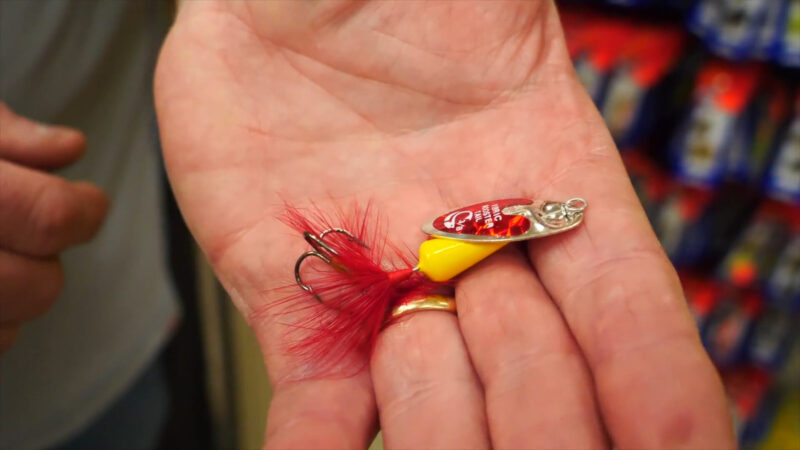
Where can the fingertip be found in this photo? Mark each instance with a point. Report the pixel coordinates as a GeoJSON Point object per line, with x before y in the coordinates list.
{"type": "Point", "coordinates": [90, 189]}
{"type": "Point", "coordinates": [64, 137]}
{"type": "Point", "coordinates": [57, 146]}
{"type": "Point", "coordinates": [36, 144]}
{"type": "Point", "coordinates": [95, 204]}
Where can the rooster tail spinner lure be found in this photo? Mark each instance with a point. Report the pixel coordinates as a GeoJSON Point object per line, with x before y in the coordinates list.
{"type": "Point", "coordinates": [465, 236]}
{"type": "Point", "coordinates": [357, 292]}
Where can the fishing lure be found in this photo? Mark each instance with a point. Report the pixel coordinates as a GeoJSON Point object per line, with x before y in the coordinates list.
{"type": "Point", "coordinates": [366, 283]}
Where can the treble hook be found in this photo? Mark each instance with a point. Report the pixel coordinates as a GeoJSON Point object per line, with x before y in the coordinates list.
{"type": "Point", "coordinates": [322, 251]}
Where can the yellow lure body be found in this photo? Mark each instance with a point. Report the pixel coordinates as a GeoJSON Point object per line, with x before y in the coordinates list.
{"type": "Point", "coordinates": [441, 259]}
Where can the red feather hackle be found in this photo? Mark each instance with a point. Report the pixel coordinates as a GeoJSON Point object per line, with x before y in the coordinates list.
{"type": "Point", "coordinates": [367, 279]}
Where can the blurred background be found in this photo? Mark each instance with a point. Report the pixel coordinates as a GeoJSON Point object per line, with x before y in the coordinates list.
{"type": "Point", "coordinates": [702, 99]}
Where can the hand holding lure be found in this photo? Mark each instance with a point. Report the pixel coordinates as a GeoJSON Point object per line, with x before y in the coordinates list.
{"type": "Point", "coordinates": [358, 292]}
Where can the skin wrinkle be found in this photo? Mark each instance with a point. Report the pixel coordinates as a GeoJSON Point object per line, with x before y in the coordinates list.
{"type": "Point", "coordinates": [452, 121]}
{"type": "Point", "coordinates": [489, 315]}
{"type": "Point", "coordinates": [237, 18]}
{"type": "Point", "coordinates": [564, 243]}
{"type": "Point", "coordinates": [410, 388]}
{"type": "Point", "coordinates": [252, 112]}
{"type": "Point", "coordinates": [367, 121]}
{"type": "Point", "coordinates": [338, 18]}
{"type": "Point", "coordinates": [676, 339]}
{"type": "Point", "coordinates": [527, 356]}
{"type": "Point", "coordinates": [226, 241]}
{"type": "Point", "coordinates": [204, 170]}
{"type": "Point", "coordinates": [393, 85]}
{"type": "Point", "coordinates": [56, 214]}
{"type": "Point", "coordinates": [540, 78]}
{"type": "Point", "coordinates": [549, 33]}
{"type": "Point", "coordinates": [525, 34]}
{"type": "Point", "coordinates": [438, 54]}
{"type": "Point", "coordinates": [500, 178]}
{"type": "Point", "coordinates": [489, 48]}
{"type": "Point", "coordinates": [496, 93]}
{"type": "Point", "coordinates": [587, 231]}
{"type": "Point", "coordinates": [285, 386]}
{"type": "Point", "coordinates": [274, 49]}
{"type": "Point", "coordinates": [314, 413]}
{"type": "Point", "coordinates": [576, 160]}
{"type": "Point", "coordinates": [351, 108]}
{"type": "Point", "coordinates": [299, 373]}
{"type": "Point", "coordinates": [222, 55]}
{"type": "Point", "coordinates": [602, 268]}
{"type": "Point", "coordinates": [502, 96]}
{"type": "Point", "coordinates": [33, 208]}
{"type": "Point", "coordinates": [262, 317]}
{"type": "Point", "coordinates": [647, 342]}
{"type": "Point", "coordinates": [584, 159]}
{"type": "Point", "coordinates": [278, 163]}
{"type": "Point", "coordinates": [556, 441]}
{"type": "Point", "coordinates": [416, 392]}
{"type": "Point", "coordinates": [453, 117]}
{"type": "Point", "coordinates": [443, 53]}
{"type": "Point", "coordinates": [564, 247]}
{"type": "Point", "coordinates": [527, 362]}
{"type": "Point", "coordinates": [235, 295]}
{"type": "Point", "coordinates": [247, 159]}
{"type": "Point", "coordinates": [264, 134]}
{"type": "Point", "coordinates": [232, 72]}
{"type": "Point", "coordinates": [506, 391]}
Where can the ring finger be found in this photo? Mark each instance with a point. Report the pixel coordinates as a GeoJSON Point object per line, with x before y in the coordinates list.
{"type": "Point", "coordinates": [427, 392]}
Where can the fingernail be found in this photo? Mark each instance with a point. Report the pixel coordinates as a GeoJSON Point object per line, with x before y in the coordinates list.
{"type": "Point", "coordinates": [43, 129]}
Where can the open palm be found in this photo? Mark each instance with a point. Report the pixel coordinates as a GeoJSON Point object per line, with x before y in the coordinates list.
{"type": "Point", "coordinates": [422, 107]}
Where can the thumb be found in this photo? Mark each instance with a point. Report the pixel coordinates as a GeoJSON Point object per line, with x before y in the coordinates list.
{"type": "Point", "coordinates": [37, 145]}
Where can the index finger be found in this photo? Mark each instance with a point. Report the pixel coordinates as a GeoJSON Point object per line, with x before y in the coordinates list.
{"type": "Point", "coordinates": [623, 302]}
{"type": "Point", "coordinates": [41, 214]}
{"type": "Point", "coordinates": [34, 144]}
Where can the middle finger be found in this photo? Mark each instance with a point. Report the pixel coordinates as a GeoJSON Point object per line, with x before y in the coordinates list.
{"type": "Point", "coordinates": [538, 388]}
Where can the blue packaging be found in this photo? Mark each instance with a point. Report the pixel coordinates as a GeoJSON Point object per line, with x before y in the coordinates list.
{"type": "Point", "coordinates": [783, 285]}
{"type": "Point", "coordinates": [771, 339]}
{"type": "Point", "coordinates": [730, 28]}
{"type": "Point", "coordinates": [783, 178]}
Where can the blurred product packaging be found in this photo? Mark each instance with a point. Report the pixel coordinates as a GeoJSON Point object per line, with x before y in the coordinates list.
{"type": "Point", "coordinates": [703, 100]}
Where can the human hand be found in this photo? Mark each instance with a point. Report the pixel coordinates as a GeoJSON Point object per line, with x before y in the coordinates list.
{"type": "Point", "coordinates": [422, 107]}
{"type": "Point", "coordinates": [40, 216]}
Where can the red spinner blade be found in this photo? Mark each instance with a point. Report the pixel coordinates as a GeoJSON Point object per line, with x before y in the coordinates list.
{"type": "Point", "coordinates": [507, 220]}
